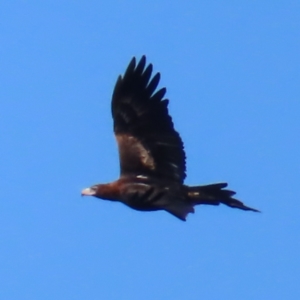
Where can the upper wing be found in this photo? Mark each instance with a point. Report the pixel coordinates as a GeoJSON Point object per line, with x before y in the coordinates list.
{"type": "Point", "coordinates": [148, 143]}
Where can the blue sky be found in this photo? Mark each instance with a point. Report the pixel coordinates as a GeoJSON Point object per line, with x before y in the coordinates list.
{"type": "Point", "coordinates": [231, 69]}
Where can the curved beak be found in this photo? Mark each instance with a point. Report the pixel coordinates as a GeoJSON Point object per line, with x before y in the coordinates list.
{"type": "Point", "coordinates": [87, 192]}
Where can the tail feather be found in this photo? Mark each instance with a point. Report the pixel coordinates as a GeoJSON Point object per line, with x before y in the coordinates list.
{"type": "Point", "coordinates": [214, 194]}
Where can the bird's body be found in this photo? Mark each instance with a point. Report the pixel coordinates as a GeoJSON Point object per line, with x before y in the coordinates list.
{"type": "Point", "coordinates": [147, 194]}
{"type": "Point", "coordinates": [152, 157]}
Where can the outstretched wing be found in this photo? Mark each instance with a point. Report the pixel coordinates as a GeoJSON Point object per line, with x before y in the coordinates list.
{"type": "Point", "coordinates": [148, 143]}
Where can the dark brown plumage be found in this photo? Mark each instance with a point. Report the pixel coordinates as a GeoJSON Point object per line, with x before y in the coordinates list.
{"type": "Point", "coordinates": [152, 157]}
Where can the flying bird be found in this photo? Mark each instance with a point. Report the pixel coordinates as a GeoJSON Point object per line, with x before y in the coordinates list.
{"type": "Point", "coordinates": [151, 152]}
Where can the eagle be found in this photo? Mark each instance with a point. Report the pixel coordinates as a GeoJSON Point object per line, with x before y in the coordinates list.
{"type": "Point", "coordinates": [151, 152]}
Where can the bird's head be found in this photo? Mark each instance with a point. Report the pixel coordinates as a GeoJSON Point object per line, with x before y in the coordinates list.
{"type": "Point", "coordinates": [91, 191]}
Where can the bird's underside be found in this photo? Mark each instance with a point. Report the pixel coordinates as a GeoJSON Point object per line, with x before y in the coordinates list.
{"type": "Point", "coordinates": [146, 194]}
{"type": "Point", "coordinates": [152, 157]}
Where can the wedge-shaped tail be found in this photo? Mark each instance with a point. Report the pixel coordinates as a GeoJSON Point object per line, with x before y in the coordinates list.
{"type": "Point", "coordinates": [214, 194]}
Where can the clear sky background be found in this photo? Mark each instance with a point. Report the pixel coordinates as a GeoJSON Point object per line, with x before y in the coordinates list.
{"type": "Point", "coordinates": [231, 69]}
